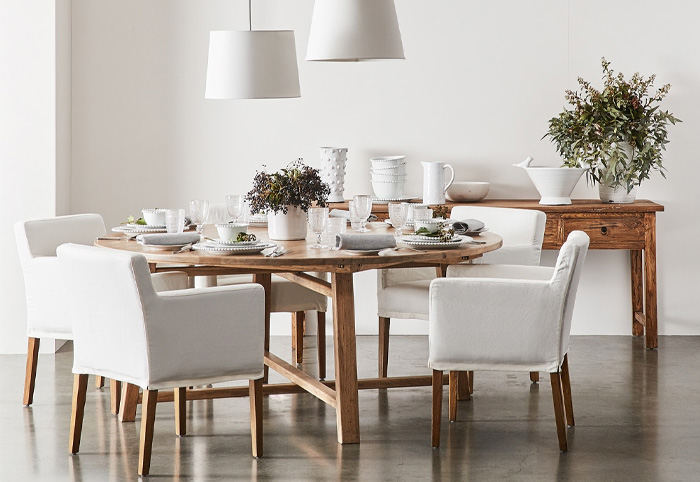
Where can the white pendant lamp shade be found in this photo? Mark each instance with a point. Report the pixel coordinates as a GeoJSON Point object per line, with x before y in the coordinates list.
{"type": "Point", "coordinates": [258, 64]}
{"type": "Point", "coordinates": [347, 30]}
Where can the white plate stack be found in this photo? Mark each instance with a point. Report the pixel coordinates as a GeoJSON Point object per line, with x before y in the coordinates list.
{"type": "Point", "coordinates": [388, 177]}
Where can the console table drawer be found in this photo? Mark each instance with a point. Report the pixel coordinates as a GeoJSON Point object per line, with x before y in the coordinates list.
{"type": "Point", "coordinates": [616, 232]}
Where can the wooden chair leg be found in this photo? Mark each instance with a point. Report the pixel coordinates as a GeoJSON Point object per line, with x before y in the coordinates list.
{"type": "Point", "coordinates": [453, 391]}
{"type": "Point", "coordinates": [256, 417]}
{"type": "Point", "coordinates": [298, 336]}
{"type": "Point", "coordinates": [383, 346]}
{"type": "Point", "coordinates": [566, 392]}
{"type": "Point", "coordinates": [463, 386]}
{"type": "Point", "coordinates": [148, 418]}
{"type": "Point", "coordinates": [180, 399]}
{"type": "Point", "coordinates": [559, 410]}
{"type": "Point", "coordinates": [127, 407]}
{"type": "Point", "coordinates": [99, 381]}
{"type": "Point", "coordinates": [30, 373]}
{"type": "Point", "coordinates": [534, 377]}
{"type": "Point", "coordinates": [321, 343]}
{"type": "Point", "coordinates": [80, 383]}
{"type": "Point", "coordinates": [437, 408]}
{"type": "Point", "coordinates": [115, 395]}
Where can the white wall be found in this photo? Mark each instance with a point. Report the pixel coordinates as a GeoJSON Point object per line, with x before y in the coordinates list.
{"type": "Point", "coordinates": [480, 81]}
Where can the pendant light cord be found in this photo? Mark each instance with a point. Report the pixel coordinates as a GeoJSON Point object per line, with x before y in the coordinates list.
{"type": "Point", "coordinates": [250, 17]}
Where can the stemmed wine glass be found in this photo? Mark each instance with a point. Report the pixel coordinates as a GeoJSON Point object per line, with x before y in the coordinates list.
{"type": "Point", "coordinates": [317, 222]}
{"type": "Point", "coordinates": [397, 216]}
{"type": "Point", "coordinates": [363, 208]}
{"type": "Point", "coordinates": [199, 212]}
{"type": "Point", "coordinates": [234, 206]}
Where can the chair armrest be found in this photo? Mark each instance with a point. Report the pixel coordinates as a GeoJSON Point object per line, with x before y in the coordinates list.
{"type": "Point", "coordinates": [216, 331]}
{"type": "Point", "coordinates": [172, 280]}
{"type": "Point", "coordinates": [510, 271]}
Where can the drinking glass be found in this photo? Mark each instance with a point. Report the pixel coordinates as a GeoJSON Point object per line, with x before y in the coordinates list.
{"type": "Point", "coordinates": [335, 226]}
{"type": "Point", "coordinates": [317, 222]}
{"type": "Point", "coordinates": [363, 208]}
{"type": "Point", "coordinates": [397, 215]}
{"type": "Point", "coordinates": [199, 212]}
{"type": "Point", "coordinates": [174, 220]}
{"type": "Point", "coordinates": [234, 205]}
{"type": "Point", "coordinates": [355, 221]}
{"type": "Point", "coordinates": [422, 213]}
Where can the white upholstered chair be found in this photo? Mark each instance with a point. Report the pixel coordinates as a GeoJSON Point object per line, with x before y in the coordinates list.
{"type": "Point", "coordinates": [516, 318]}
{"type": "Point", "coordinates": [47, 309]}
{"type": "Point", "coordinates": [403, 293]}
{"type": "Point", "coordinates": [124, 330]}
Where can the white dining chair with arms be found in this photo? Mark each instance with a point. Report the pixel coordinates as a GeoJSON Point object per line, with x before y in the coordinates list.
{"type": "Point", "coordinates": [403, 293]}
{"type": "Point", "coordinates": [47, 308]}
{"type": "Point", "coordinates": [516, 318]}
{"type": "Point", "coordinates": [124, 330]}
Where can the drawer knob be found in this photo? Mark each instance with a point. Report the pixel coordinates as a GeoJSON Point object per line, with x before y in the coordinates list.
{"type": "Point", "coordinates": [604, 230]}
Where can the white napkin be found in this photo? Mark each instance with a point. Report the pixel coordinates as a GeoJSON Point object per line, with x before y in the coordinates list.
{"type": "Point", "coordinates": [364, 241]}
{"type": "Point", "coordinates": [168, 238]}
{"type": "Point", "coordinates": [467, 226]}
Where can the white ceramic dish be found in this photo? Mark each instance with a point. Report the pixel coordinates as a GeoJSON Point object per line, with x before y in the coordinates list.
{"type": "Point", "coordinates": [453, 243]}
{"type": "Point", "coordinates": [467, 192]}
{"type": "Point", "coordinates": [133, 231]}
{"type": "Point", "coordinates": [229, 250]}
{"type": "Point", "coordinates": [226, 242]}
{"type": "Point", "coordinates": [391, 200]}
{"type": "Point", "coordinates": [387, 162]}
{"type": "Point", "coordinates": [388, 189]}
{"type": "Point", "coordinates": [387, 175]}
{"type": "Point", "coordinates": [163, 247]}
{"type": "Point", "coordinates": [154, 217]}
{"type": "Point", "coordinates": [230, 231]}
{"type": "Point", "coordinates": [428, 239]}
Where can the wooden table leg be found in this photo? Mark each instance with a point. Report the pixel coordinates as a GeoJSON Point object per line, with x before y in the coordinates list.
{"type": "Point", "coordinates": [637, 272]}
{"type": "Point", "coordinates": [347, 409]}
{"type": "Point", "coordinates": [265, 279]}
{"type": "Point", "coordinates": [650, 280]}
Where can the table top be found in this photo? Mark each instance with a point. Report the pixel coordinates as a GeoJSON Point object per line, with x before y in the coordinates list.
{"type": "Point", "coordinates": [300, 257]}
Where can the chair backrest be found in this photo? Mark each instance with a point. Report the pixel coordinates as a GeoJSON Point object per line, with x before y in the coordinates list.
{"type": "Point", "coordinates": [567, 273]}
{"type": "Point", "coordinates": [109, 290]}
{"type": "Point", "coordinates": [522, 231]}
{"type": "Point", "coordinates": [37, 241]}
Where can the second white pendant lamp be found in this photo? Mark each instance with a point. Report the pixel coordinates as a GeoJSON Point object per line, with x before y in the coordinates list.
{"type": "Point", "coordinates": [352, 30]}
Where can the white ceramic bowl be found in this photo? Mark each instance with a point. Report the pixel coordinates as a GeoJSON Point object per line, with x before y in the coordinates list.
{"type": "Point", "coordinates": [388, 189]}
{"type": "Point", "coordinates": [229, 231]}
{"type": "Point", "coordinates": [387, 175]}
{"type": "Point", "coordinates": [554, 184]}
{"type": "Point", "coordinates": [467, 192]}
{"type": "Point", "coordinates": [387, 162]}
{"type": "Point", "coordinates": [432, 225]}
{"type": "Point", "coordinates": [154, 217]}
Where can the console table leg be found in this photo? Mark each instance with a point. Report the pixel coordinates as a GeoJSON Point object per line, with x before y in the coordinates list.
{"type": "Point", "coordinates": [265, 279]}
{"type": "Point", "coordinates": [637, 291]}
{"type": "Point", "coordinates": [650, 280]}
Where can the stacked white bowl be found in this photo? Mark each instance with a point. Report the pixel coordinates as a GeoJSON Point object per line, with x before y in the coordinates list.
{"type": "Point", "coordinates": [388, 176]}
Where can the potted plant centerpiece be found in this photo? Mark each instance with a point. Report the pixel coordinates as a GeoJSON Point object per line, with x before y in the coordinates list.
{"type": "Point", "coordinates": [618, 133]}
{"type": "Point", "coordinates": [286, 195]}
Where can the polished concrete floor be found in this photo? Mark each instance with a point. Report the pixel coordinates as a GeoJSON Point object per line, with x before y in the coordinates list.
{"type": "Point", "coordinates": [637, 419]}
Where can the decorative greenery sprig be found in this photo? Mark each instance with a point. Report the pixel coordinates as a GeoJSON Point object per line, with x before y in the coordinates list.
{"type": "Point", "coordinates": [244, 237]}
{"type": "Point", "coordinates": [296, 185]}
{"type": "Point", "coordinates": [595, 131]}
{"type": "Point", "coordinates": [445, 232]}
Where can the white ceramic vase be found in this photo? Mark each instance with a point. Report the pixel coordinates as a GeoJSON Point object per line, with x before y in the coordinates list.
{"type": "Point", "coordinates": [618, 194]}
{"type": "Point", "coordinates": [333, 171]}
{"type": "Point", "coordinates": [287, 227]}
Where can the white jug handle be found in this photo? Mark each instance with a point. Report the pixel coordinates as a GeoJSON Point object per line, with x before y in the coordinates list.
{"type": "Point", "coordinates": [452, 177]}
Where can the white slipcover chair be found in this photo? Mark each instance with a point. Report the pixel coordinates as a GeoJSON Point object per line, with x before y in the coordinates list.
{"type": "Point", "coordinates": [516, 318]}
{"type": "Point", "coordinates": [47, 309]}
{"type": "Point", "coordinates": [403, 293]}
{"type": "Point", "coordinates": [123, 329]}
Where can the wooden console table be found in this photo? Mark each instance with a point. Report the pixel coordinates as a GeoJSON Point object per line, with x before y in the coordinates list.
{"type": "Point", "coordinates": [610, 226]}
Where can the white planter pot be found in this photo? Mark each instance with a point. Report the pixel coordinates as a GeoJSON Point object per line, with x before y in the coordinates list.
{"type": "Point", "coordinates": [554, 184]}
{"type": "Point", "coordinates": [616, 195]}
{"type": "Point", "coordinates": [287, 227]}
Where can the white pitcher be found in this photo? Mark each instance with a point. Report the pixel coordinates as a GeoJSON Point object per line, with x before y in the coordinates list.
{"type": "Point", "coordinates": [434, 185]}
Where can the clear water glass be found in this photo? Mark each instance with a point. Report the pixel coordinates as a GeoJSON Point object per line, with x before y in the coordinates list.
{"type": "Point", "coordinates": [363, 208]}
{"type": "Point", "coordinates": [422, 213]}
{"type": "Point", "coordinates": [174, 220]}
{"type": "Point", "coordinates": [318, 217]}
{"type": "Point", "coordinates": [355, 221]}
{"type": "Point", "coordinates": [199, 212]}
{"type": "Point", "coordinates": [334, 226]}
{"type": "Point", "coordinates": [234, 206]}
{"type": "Point", "coordinates": [397, 216]}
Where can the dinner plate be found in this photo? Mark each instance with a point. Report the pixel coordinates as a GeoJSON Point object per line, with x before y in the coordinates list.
{"type": "Point", "coordinates": [362, 252]}
{"type": "Point", "coordinates": [221, 242]}
{"type": "Point", "coordinates": [454, 242]}
{"type": "Point", "coordinates": [422, 237]}
{"type": "Point", "coordinates": [133, 232]}
{"type": "Point", "coordinates": [228, 250]}
{"type": "Point", "coordinates": [392, 200]}
{"type": "Point", "coordinates": [147, 226]}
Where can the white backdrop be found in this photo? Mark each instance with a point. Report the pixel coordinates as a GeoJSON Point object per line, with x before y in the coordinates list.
{"type": "Point", "coordinates": [479, 83]}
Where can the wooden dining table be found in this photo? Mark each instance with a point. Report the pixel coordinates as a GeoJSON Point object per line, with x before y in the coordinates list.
{"type": "Point", "coordinates": [298, 259]}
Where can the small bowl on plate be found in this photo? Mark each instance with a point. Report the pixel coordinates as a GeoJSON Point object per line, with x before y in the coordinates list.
{"type": "Point", "coordinates": [467, 192]}
{"type": "Point", "coordinates": [388, 189]}
{"type": "Point", "coordinates": [154, 217]}
{"type": "Point", "coordinates": [431, 226]}
{"type": "Point", "coordinates": [230, 231]}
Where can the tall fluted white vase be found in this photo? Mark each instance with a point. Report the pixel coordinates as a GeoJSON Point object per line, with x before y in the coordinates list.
{"type": "Point", "coordinates": [333, 171]}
